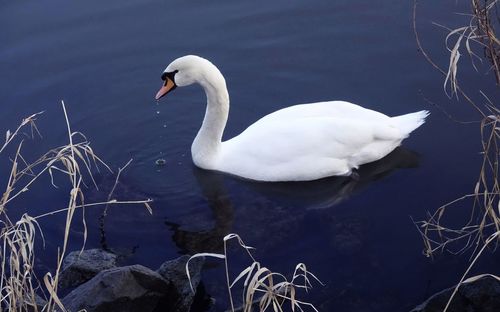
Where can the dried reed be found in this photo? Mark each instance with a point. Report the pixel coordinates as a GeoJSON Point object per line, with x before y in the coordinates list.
{"type": "Point", "coordinates": [19, 285]}
{"type": "Point", "coordinates": [483, 225]}
{"type": "Point", "coordinates": [272, 289]}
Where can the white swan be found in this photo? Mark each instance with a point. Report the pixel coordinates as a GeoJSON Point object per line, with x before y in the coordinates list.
{"type": "Point", "coordinates": [298, 143]}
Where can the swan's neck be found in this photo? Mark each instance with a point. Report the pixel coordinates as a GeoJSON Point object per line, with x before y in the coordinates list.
{"type": "Point", "coordinates": [207, 144]}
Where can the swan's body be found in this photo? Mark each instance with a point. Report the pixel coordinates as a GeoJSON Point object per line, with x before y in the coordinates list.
{"type": "Point", "coordinates": [298, 143]}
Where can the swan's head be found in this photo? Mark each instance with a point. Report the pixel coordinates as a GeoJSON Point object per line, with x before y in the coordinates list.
{"type": "Point", "coordinates": [184, 71]}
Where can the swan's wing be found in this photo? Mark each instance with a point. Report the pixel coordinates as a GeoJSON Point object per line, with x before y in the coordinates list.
{"type": "Point", "coordinates": [333, 109]}
{"type": "Point", "coordinates": [306, 148]}
{"type": "Point", "coordinates": [278, 141]}
{"type": "Point", "coordinates": [333, 129]}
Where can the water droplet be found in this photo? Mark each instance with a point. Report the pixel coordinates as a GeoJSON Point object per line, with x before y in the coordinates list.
{"type": "Point", "coordinates": [160, 162]}
{"type": "Point", "coordinates": [157, 112]}
{"type": "Point", "coordinates": [165, 125]}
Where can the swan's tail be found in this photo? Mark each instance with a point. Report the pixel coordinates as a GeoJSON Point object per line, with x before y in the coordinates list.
{"type": "Point", "coordinates": [409, 122]}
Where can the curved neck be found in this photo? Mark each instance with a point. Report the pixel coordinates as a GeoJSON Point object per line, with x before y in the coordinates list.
{"type": "Point", "coordinates": [208, 141]}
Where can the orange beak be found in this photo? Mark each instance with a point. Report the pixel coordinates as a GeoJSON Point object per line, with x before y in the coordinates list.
{"type": "Point", "coordinates": [166, 88]}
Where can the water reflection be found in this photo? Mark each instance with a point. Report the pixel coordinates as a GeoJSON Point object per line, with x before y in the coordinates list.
{"type": "Point", "coordinates": [300, 196]}
{"type": "Point", "coordinates": [331, 191]}
{"type": "Point", "coordinates": [213, 189]}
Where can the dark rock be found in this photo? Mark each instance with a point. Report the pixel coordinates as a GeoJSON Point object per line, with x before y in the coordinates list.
{"type": "Point", "coordinates": [125, 289]}
{"type": "Point", "coordinates": [81, 267]}
{"type": "Point", "coordinates": [481, 295]}
{"type": "Point", "coordinates": [39, 302]}
{"type": "Point", "coordinates": [174, 272]}
{"type": "Point", "coordinates": [30, 304]}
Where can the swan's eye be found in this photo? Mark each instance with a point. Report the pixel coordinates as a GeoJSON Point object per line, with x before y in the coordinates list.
{"type": "Point", "coordinates": [169, 75]}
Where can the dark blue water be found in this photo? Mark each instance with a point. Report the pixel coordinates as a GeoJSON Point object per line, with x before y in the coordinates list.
{"type": "Point", "coordinates": [105, 60]}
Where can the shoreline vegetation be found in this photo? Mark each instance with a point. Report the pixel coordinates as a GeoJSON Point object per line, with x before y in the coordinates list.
{"type": "Point", "coordinates": [478, 40]}
{"type": "Point", "coordinates": [263, 288]}
{"type": "Point", "coordinates": [20, 287]}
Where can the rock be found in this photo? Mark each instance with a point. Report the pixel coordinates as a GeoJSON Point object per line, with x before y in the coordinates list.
{"type": "Point", "coordinates": [39, 302]}
{"type": "Point", "coordinates": [479, 295]}
{"type": "Point", "coordinates": [174, 272]}
{"type": "Point", "coordinates": [30, 304]}
{"type": "Point", "coordinates": [124, 289]}
{"type": "Point", "coordinates": [81, 267]}
{"type": "Point", "coordinates": [130, 288]}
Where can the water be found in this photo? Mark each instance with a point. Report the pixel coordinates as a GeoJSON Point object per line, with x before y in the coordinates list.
{"type": "Point", "coordinates": [105, 61]}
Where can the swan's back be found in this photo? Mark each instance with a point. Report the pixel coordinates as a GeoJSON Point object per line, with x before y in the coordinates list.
{"type": "Point", "coordinates": [334, 109]}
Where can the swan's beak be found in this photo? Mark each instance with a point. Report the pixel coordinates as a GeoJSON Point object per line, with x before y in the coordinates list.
{"type": "Point", "coordinates": [166, 88]}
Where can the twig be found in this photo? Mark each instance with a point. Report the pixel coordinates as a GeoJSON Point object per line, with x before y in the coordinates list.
{"type": "Point", "coordinates": [104, 245]}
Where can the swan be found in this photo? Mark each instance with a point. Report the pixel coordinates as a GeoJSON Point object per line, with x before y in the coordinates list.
{"type": "Point", "coordinates": [303, 142]}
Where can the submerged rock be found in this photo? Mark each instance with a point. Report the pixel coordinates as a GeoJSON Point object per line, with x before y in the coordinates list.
{"type": "Point", "coordinates": [125, 289]}
{"type": "Point", "coordinates": [81, 267]}
{"type": "Point", "coordinates": [481, 295]}
{"type": "Point", "coordinates": [174, 272]}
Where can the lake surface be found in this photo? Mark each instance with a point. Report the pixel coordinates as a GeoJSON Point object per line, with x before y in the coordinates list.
{"type": "Point", "coordinates": [104, 59]}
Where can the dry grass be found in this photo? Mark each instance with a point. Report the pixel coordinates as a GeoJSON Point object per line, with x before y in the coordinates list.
{"type": "Point", "coordinates": [261, 286]}
{"type": "Point", "coordinates": [484, 218]}
{"type": "Point", "coordinates": [476, 37]}
{"type": "Point", "coordinates": [76, 160]}
{"type": "Point", "coordinates": [481, 229]}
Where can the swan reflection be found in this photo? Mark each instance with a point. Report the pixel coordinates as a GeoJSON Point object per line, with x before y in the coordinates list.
{"type": "Point", "coordinates": [299, 196]}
